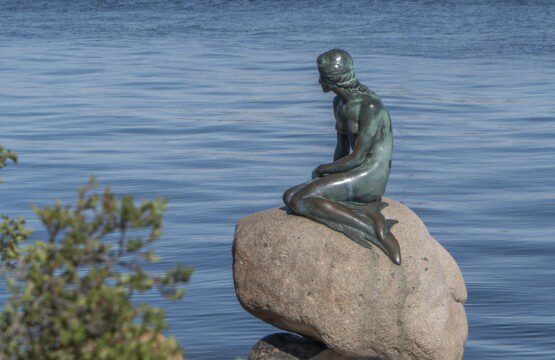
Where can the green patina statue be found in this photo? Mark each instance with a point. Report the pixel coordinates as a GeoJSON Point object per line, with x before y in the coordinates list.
{"type": "Point", "coordinates": [346, 194]}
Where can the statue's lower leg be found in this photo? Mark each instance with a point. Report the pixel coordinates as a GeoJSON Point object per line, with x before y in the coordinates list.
{"type": "Point", "coordinates": [335, 215]}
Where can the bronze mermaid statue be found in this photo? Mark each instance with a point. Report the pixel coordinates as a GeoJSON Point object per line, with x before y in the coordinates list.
{"type": "Point", "coordinates": [346, 194]}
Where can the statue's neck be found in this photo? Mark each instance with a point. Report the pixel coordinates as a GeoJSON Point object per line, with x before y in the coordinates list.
{"type": "Point", "coordinates": [344, 94]}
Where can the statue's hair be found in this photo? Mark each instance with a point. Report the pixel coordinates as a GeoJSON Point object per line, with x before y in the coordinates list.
{"type": "Point", "coordinates": [336, 67]}
{"type": "Point", "coordinates": [355, 87]}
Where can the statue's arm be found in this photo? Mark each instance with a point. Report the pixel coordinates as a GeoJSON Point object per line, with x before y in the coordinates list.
{"type": "Point", "coordinates": [342, 147]}
{"type": "Point", "coordinates": [367, 129]}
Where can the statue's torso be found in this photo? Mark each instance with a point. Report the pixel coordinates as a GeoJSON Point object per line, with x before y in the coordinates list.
{"type": "Point", "coordinates": [347, 117]}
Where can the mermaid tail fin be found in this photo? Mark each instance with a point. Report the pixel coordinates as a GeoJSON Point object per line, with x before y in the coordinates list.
{"type": "Point", "coordinates": [389, 245]}
{"type": "Point", "coordinates": [381, 236]}
{"type": "Point", "coordinates": [389, 223]}
{"type": "Point", "coordinates": [356, 236]}
{"type": "Point", "coordinates": [393, 249]}
{"type": "Point", "coordinates": [373, 209]}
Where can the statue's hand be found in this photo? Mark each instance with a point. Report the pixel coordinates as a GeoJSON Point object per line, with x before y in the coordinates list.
{"type": "Point", "coordinates": [318, 172]}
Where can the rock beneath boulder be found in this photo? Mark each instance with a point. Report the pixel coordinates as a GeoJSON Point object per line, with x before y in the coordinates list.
{"type": "Point", "coordinates": [285, 346]}
{"type": "Point", "coordinates": [304, 277]}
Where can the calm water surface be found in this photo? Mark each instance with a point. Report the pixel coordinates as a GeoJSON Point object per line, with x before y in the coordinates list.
{"type": "Point", "coordinates": [216, 107]}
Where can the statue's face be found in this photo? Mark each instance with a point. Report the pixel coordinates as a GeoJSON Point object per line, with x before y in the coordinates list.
{"type": "Point", "coordinates": [325, 87]}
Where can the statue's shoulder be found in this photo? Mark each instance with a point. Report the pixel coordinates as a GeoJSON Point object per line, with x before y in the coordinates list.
{"type": "Point", "coordinates": [371, 101]}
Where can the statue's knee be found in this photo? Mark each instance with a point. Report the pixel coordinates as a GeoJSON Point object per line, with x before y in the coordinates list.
{"type": "Point", "coordinates": [287, 195]}
{"type": "Point", "coordinates": [296, 203]}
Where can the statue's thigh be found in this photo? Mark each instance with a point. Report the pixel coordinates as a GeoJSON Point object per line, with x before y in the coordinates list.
{"type": "Point", "coordinates": [368, 185]}
{"type": "Point", "coordinates": [363, 184]}
{"type": "Point", "coordinates": [335, 187]}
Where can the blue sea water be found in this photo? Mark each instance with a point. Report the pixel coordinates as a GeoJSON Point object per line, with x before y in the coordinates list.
{"type": "Point", "coordinates": [215, 106]}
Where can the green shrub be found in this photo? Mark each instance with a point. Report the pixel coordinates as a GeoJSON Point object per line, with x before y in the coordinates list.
{"type": "Point", "coordinates": [71, 292]}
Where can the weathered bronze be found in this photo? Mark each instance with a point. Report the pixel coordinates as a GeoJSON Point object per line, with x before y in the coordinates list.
{"type": "Point", "coordinates": [346, 194]}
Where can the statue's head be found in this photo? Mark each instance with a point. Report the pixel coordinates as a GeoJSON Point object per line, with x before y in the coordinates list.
{"type": "Point", "coordinates": [336, 69]}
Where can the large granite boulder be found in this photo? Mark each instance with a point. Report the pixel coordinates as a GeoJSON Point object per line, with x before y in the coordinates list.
{"type": "Point", "coordinates": [304, 277]}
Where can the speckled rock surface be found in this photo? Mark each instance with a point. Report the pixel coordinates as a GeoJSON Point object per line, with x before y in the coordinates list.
{"type": "Point", "coordinates": [306, 278]}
